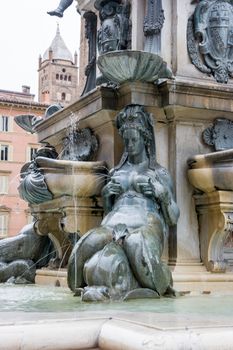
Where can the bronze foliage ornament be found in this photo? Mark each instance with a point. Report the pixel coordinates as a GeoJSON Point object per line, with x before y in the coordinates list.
{"type": "Point", "coordinates": [210, 38]}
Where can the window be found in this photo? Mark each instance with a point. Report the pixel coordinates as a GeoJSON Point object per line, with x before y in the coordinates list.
{"type": "Point", "coordinates": [69, 78]}
{"type": "Point", "coordinates": [3, 225]}
{"type": "Point", "coordinates": [57, 76]}
{"type": "Point", "coordinates": [63, 96]}
{"type": "Point", "coordinates": [4, 123]}
{"type": "Point", "coordinates": [4, 152]}
{"type": "Point", "coordinates": [4, 184]}
{"type": "Point", "coordinates": [31, 152]}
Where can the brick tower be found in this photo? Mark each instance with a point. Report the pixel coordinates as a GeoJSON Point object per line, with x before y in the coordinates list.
{"type": "Point", "coordinates": [58, 73]}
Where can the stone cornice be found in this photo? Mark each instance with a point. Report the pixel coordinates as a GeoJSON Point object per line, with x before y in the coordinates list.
{"type": "Point", "coordinates": [183, 100]}
{"type": "Point", "coordinates": [24, 104]}
{"type": "Point", "coordinates": [182, 94]}
{"type": "Point", "coordinates": [91, 104]}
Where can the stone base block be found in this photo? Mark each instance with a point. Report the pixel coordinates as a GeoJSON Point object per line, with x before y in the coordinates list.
{"type": "Point", "coordinates": [193, 280]}
{"type": "Point", "coordinates": [51, 277]}
{"type": "Point", "coordinates": [205, 283]}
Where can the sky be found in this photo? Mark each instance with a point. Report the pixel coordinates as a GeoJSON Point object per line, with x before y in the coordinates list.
{"type": "Point", "coordinates": [26, 31]}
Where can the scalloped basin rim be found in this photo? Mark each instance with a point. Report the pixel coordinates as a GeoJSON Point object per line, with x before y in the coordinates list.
{"type": "Point", "coordinates": [212, 171]}
{"type": "Point", "coordinates": [131, 53]}
{"type": "Point", "coordinates": [207, 160]}
{"type": "Point", "coordinates": [73, 178]}
{"type": "Point", "coordinates": [44, 162]}
{"type": "Point", "coordinates": [128, 65]}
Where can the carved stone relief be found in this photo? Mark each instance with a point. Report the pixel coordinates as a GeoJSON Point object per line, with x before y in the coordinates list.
{"type": "Point", "coordinates": [216, 224]}
{"type": "Point", "coordinates": [210, 38]}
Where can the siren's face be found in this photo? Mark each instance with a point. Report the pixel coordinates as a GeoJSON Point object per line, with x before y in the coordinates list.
{"type": "Point", "coordinates": [134, 142]}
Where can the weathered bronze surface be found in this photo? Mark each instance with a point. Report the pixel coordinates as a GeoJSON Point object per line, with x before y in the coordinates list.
{"type": "Point", "coordinates": [130, 65]}
{"type": "Point", "coordinates": [90, 34]}
{"type": "Point", "coordinates": [22, 254]}
{"type": "Point", "coordinates": [63, 5]}
{"type": "Point", "coordinates": [210, 38]}
{"type": "Point", "coordinates": [33, 187]}
{"type": "Point", "coordinates": [80, 145]}
{"type": "Point", "coordinates": [27, 121]}
{"type": "Point", "coordinates": [153, 24]}
{"type": "Point", "coordinates": [115, 31]}
{"type": "Point", "coordinates": [121, 259]}
{"type": "Point", "coordinates": [220, 134]}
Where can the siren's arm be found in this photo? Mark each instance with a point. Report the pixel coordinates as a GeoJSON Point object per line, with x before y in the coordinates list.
{"type": "Point", "coordinates": [163, 192]}
{"type": "Point", "coordinates": [110, 192]}
{"type": "Point", "coordinates": [170, 211]}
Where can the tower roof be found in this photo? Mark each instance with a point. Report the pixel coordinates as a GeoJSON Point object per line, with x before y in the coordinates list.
{"type": "Point", "coordinates": [59, 49]}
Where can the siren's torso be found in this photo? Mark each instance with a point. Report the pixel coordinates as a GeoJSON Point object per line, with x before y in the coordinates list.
{"type": "Point", "coordinates": [132, 207]}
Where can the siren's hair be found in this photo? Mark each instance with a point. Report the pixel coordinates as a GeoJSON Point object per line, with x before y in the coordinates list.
{"type": "Point", "coordinates": [135, 117]}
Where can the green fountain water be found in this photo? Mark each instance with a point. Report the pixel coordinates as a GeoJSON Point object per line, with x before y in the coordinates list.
{"type": "Point", "coordinates": [34, 298]}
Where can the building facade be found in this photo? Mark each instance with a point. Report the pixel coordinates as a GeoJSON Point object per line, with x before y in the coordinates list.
{"type": "Point", "coordinates": [58, 83]}
{"type": "Point", "coordinates": [16, 147]}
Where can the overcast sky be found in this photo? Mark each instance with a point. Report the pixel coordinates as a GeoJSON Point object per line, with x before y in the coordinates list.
{"type": "Point", "coordinates": [26, 31]}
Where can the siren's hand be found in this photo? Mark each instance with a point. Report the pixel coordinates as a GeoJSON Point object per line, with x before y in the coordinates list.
{"type": "Point", "coordinates": [113, 188]}
{"type": "Point", "coordinates": [146, 188]}
{"type": "Point", "coordinates": [110, 192]}
{"type": "Point", "coordinates": [161, 192]}
{"type": "Point", "coordinates": [155, 190]}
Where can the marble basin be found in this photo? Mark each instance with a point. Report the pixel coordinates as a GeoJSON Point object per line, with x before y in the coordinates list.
{"type": "Point", "coordinates": [127, 65]}
{"type": "Point", "coordinates": [72, 178]}
{"type": "Point", "coordinates": [212, 171]}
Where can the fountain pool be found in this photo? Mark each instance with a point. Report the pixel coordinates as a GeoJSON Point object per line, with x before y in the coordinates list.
{"type": "Point", "coordinates": [36, 298]}
{"type": "Point", "coordinates": [57, 320]}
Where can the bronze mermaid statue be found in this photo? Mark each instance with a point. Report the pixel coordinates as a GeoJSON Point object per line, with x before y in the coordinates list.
{"type": "Point", "coordinates": [121, 259]}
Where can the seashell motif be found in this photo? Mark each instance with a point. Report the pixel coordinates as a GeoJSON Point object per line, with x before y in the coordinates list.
{"type": "Point", "coordinates": [208, 136]}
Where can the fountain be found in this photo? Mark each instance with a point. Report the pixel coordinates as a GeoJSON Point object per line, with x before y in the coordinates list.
{"type": "Point", "coordinates": [56, 190]}
{"type": "Point", "coordinates": [117, 234]}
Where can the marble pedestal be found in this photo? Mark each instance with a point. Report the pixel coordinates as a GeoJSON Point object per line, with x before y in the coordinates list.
{"type": "Point", "coordinates": [215, 216]}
